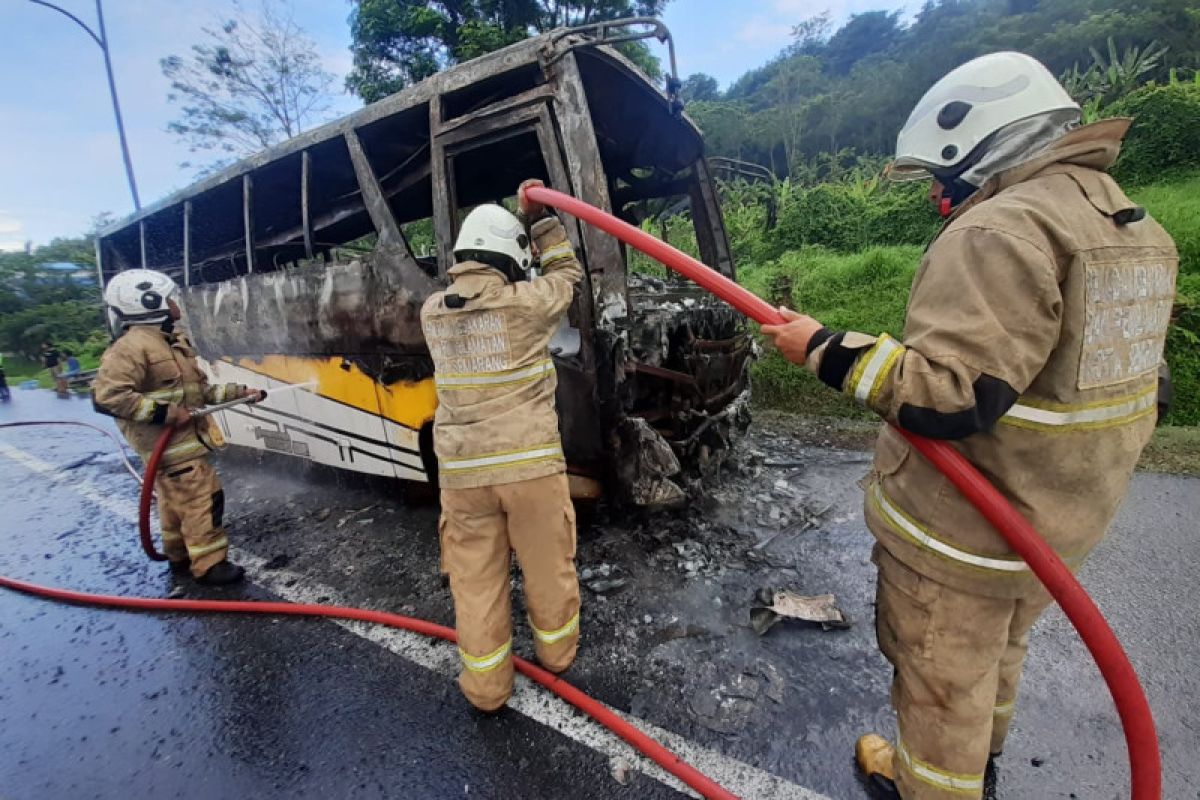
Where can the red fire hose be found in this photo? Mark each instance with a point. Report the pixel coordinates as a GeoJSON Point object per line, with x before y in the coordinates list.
{"type": "Point", "coordinates": [1138, 723]}
{"type": "Point", "coordinates": [672, 763]}
{"type": "Point", "coordinates": [147, 491]}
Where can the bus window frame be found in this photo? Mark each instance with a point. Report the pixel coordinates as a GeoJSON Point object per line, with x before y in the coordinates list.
{"type": "Point", "coordinates": [506, 120]}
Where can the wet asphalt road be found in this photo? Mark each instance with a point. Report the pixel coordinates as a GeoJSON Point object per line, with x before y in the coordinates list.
{"type": "Point", "coordinates": [111, 704]}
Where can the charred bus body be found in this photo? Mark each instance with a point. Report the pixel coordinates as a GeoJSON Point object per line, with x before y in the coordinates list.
{"type": "Point", "coordinates": [310, 262]}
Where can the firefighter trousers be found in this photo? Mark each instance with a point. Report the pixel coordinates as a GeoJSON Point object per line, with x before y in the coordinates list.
{"type": "Point", "coordinates": [957, 659]}
{"type": "Point", "coordinates": [480, 528]}
{"type": "Point", "coordinates": [191, 506]}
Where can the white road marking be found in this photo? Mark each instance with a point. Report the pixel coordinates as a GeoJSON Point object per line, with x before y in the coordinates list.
{"type": "Point", "coordinates": [114, 505]}
{"type": "Point", "coordinates": [528, 699]}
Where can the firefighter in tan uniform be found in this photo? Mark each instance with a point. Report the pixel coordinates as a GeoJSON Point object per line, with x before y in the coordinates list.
{"type": "Point", "coordinates": [149, 378]}
{"type": "Point", "coordinates": [1034, 332]}
{"type": "Point", "coordinates": [501, 467]}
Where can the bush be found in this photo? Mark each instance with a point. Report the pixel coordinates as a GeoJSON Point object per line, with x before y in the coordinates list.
{"type": "Point", "coordinates": [828, 214]}
{"type": "Point", "coordinates": [71, 321]}
{"type": "Point", "coordinates": [902, 215]}
{"type": "Point", "coordinates": [1165, 138]}
{"type": "Point", "coordinates": [851, 216]}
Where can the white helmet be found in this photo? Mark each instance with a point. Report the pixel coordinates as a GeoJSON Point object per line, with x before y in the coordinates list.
{"type": "Point", "coordinates": [972, 102]}
{"type": "Point", "coordinates": [138, 297]}
{"type": "Point", "coordinates": [493, 229]}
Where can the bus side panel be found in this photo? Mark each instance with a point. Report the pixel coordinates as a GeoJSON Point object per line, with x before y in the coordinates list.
{"type": "Point", "coordinates": [336, 422]}
{"type": "Point", "coordinates": [406, 407]}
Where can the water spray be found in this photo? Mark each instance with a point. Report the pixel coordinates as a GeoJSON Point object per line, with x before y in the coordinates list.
{"type": "Point", "coordinates": [243, 401]}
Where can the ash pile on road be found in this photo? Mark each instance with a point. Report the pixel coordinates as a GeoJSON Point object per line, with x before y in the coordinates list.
{"type": "Point", "coordinates": [667, 595]}
{"type": "Point", "coordinates": [760, 496]}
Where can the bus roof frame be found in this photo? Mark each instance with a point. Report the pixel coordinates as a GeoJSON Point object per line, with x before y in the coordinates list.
{"type": "Point", "coordinates": [543, 50]}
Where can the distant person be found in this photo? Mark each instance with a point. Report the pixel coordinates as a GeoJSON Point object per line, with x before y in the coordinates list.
{"type": "Point", "coordinates": [149, 378]}
{"type": "Point", "coordinates": [500, 458]}
{"type": "Point", "coordinates": [5, 395]}
{"type": "Point", "coordinates": [73, 367]}
{"type": "Point", "coordinates": [1033, 337]}
{"type": "Point", "coordinates": [51, 360]}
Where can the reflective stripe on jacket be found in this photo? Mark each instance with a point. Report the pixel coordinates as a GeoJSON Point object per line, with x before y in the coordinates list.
{"type": "Point", "coordinates": [145, 372]}
{"type": "Point", "coordinates": [496, 419]}
{"type": "Point", "coordinates": [1033, 337]}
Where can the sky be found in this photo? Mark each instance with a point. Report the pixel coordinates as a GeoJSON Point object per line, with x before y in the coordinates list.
{"type": "Point", "coordinates": [60, 160]}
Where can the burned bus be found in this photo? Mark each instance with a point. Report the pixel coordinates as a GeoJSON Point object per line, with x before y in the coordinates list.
{"type": "Point", "coordinates": [309, 262]}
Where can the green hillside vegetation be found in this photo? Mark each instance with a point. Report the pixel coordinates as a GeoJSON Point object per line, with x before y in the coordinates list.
{"type": "Point", "coordinates": [833, 95]}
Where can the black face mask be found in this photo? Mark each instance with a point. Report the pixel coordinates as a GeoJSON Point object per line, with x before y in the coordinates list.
{"type": "Point", "coordinates": [956, 191]}
{"type": "Point", "coordinates": [954, 188]}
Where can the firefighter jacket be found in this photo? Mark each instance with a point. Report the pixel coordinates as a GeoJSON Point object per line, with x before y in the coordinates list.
{"type": "Point", "coordinates": [142, 374]}
{"type": "Point", "coordinates": [1033, 337]}
{"type": "Point", "coordinates": [496, 419]}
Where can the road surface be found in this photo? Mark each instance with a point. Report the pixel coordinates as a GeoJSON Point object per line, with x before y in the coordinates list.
{"type": "Point", "coordinates": [111, 704]}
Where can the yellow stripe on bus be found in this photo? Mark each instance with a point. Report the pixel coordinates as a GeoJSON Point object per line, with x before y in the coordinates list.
{"type": "Point", "coordinates": [409, 403]}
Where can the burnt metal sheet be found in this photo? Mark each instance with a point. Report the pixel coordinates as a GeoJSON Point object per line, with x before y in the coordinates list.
{"type": "Point", "coordinates": [344, 308]}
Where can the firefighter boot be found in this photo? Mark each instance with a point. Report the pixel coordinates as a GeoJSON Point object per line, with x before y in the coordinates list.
{"type": "Point", "coordinates": [874, 756]}
{"type": "Point", "coordinates": [991, 778]}
{"type": "Point", "coordinates": [222, 574]}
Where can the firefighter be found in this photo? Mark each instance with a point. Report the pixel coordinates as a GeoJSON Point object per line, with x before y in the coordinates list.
{"type": "Point", "coordinates": [501, 467]}
{"type": "Point", "coordinates": [1033, 337]}
{"type": "Point", "coordinates": [149, 378]}
{"type": "Point", "coordinates": [52, 361]}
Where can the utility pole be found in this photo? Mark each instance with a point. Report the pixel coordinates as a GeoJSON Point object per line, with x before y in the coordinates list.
{"type": "Point", "coordinates": [101, 40]}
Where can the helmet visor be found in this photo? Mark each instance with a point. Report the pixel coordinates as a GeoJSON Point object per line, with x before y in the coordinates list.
{"type": "Point", "coordinates": [906, 170]}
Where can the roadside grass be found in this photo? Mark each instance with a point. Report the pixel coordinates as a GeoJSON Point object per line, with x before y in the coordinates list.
{"type": "Point", "coordinates": [19, 370]}
{"type": "Point", "coordinates": [1174, 449]}
{"type": "Point", "coordinates": [1176, 205]}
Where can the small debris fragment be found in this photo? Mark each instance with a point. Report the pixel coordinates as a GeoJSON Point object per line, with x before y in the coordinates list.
{"type": "Point", "coordinates": [720, 711]}
{"type": "Point", "coordinates": [354, 514]}
{"type": "Point", "coordinates": [605, 585]}
{"type": "Point", "coordinates": [323, 514]}
{"type": "Point", "coordinates": [775, 682]}
{"type": "Point", "coordinates": [278, 562]}
{"type": "Point", "coordinates": [774, 605]}
{"type": "Point", "coordinates": [620, 769]}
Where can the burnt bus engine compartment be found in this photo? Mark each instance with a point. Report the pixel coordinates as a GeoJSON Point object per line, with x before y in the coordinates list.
{"type": "Point", "coordinates": [679, 367]}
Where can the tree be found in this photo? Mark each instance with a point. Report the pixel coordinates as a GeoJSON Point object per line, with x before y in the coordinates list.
{"type": "Point", "coordinates": [810, 36]}
{"type": "Point", "coordinates": [396, 43]}
{"type": "Point", "coordinates": [699, 87]}
{"type": "Point", "coordinates": [864, 34]}
{"type": "Point", "coordinates": [256, 81]}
